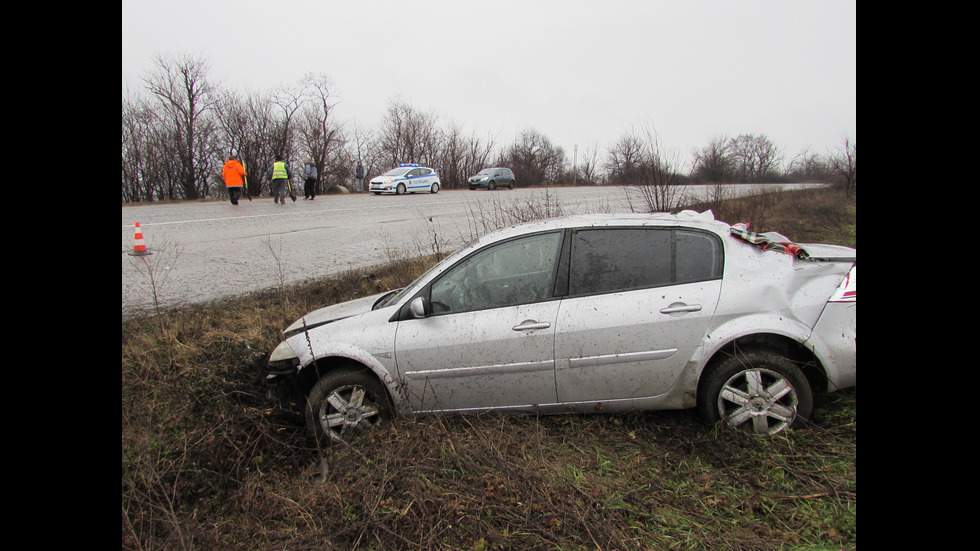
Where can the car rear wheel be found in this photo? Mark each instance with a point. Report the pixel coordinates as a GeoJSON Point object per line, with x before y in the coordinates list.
{"type": "Point", "coordinates": [758, 391]}
{"type": "Point", "coordinates": [344, 403]}
{"type": "Point", "coordinates": [434, 188]}
{"type": "Point", "coordinates": [511, 186]}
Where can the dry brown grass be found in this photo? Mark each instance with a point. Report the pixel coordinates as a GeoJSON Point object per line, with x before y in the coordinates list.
{"type": "Point", "coordinates": [821, 215]}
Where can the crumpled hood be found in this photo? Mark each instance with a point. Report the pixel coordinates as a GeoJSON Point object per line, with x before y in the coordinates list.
{"type": "Point", "coordinates": [335, 312]}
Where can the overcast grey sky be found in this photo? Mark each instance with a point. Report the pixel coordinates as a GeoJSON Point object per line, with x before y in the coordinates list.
{"type": "Point", "coordinates": [579, 72]}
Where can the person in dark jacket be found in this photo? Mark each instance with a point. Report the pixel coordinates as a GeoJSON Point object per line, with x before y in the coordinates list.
{"type": "Point", "coordinates": [359, 175]}
{"type": "Point", "coordinates": [309, 180]}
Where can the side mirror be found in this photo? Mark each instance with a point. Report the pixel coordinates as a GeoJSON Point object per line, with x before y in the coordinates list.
{"type": "Point", "coordinates": [417, 307]}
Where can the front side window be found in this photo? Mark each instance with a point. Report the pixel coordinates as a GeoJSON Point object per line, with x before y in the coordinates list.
{"type": "Point", "coordinates": [520, 271]}
{"type": "Point", "coordinates": [609, 260]}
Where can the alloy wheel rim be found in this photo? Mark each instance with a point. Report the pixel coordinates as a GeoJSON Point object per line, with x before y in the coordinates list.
{"type": "Point", "coordinates": [347, 410]}
{"type": "Point", "coordinates": [758, 400]}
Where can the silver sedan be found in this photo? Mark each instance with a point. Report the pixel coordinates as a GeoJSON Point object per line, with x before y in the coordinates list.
{"type": "Point", "coordinates": [587, 313]}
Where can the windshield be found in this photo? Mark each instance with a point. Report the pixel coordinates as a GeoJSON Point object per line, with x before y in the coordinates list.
{"type": "Point", "coordinates": [397, 171]}
{"type": "Point", "coordinates": [485, 172]}
{"type": "Point", "coordinates": [396, 296]}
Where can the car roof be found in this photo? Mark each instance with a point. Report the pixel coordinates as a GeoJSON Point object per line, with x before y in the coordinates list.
{"type": "Point", "coordinates": [687, 218]}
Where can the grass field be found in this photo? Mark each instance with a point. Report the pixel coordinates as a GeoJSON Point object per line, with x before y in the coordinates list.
{"type": "Point", "coordinates": [208, 464]}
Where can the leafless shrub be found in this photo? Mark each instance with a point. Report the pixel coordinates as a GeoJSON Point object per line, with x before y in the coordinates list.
{"type": "Point", "coordinates": [647, 170]}
{"type": "Point", "coordinates": [499, 210]}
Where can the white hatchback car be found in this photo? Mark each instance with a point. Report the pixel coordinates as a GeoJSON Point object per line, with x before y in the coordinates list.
{"type": "Point", "coordinates": [406, 178]}
{"type": "Point", "coordinates": [583, 314]}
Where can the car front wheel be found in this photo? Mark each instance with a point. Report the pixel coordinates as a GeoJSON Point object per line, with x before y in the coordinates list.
{"type": "Point", "coordinates": [400, 190]}
{"type": "Point", "coordinates": [758, 391]}
{"type": "Point", "coordinates": [345, 402]}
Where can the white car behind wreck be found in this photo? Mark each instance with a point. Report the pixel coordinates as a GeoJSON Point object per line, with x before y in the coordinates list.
{"type": "Point", "coordinates": [587, 313]}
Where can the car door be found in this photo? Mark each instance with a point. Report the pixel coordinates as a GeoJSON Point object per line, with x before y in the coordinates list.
{"type": "Point", "coordinates": [638, 305]}
{"type": "Point", "coordinates": [411, 179]}
{"type": "Point", "coordinates": [426, 179]}
{"type": "Point", "coordinates": [488, 340]}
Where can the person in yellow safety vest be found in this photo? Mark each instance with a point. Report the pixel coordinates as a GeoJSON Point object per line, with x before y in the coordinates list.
{"type": "Point", "coordinates": [234, 175]}
{"type": "Point", "coordinates": [279, 175]}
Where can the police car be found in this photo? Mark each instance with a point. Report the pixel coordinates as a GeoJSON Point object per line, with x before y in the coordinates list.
{"type": "Point", "coordinates": [406, 178]}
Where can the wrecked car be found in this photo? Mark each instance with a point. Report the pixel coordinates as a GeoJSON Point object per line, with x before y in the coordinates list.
{"type": "Point", "coordinates": [587, 313]}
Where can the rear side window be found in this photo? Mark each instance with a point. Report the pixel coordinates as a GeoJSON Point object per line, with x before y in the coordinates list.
{"type": "Point", "coordinates": [608, 260]}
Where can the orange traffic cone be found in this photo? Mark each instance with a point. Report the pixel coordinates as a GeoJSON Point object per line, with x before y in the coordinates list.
{"type": "Point", "coordinates": [139, 249]}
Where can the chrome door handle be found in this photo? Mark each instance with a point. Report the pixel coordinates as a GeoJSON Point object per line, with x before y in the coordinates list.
{"type": "Point", "coordinates": [528, 325]}
{"type": "Point", "coordinates": [680, 307]}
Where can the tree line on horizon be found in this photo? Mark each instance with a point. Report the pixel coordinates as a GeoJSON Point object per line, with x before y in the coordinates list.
{"type": "Point", "coordinates": [178, 131]}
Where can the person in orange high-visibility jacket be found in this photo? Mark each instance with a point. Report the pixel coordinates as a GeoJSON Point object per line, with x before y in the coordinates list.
{"type": "Point", "coordinates": [234, 174]}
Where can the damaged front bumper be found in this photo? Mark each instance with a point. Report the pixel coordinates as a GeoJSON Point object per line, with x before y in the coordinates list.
{"type": "Point", "coordinates": [282, 379]}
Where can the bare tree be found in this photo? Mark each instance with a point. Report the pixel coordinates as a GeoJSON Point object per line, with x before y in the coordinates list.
{"type": "Point", "coordinates": [588, 169]}
{"type": "Point", "coordinates": [625, 160]}
{"type": "Point", "coordinates": [754, 158]}
{"type": "Point", "coordinates": [248, 126]}
{"type": "Point", "coordinates": [363, 147]}
{"type": "Point", "coordinates": [318, 135]}
{"type": "Point", "coordinates": [181, 85]}
{"type": "Point", "coordinates": [461, 156]}
{"type": "Point", "coordinates": [712, 163]}
{"type": "Point", "coordinates": [647, 169]}
{"type": "Point", "coordinates": [289, 100]}
{"type": "Point", "coordinates": [660, 190]}
{"type": "Point", "coordinates": [452, 152]}
{"type": "Point", "coordinates": [408, 135]}
{"type": "Point", "coordinates": [843, 166]}
{"type": "Point", "coordinates": [232, 115]}
{"type": "Point", "coordinates": [140, 166]}
{"type": "Point", "coordinates": [534, 159]}
{"type": "Point", "coordinates": [478, 154]}
{"type": "Point", "coordinates": [807, 166]}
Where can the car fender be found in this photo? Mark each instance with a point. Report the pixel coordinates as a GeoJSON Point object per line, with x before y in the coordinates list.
{"type": "Point", "coordinates": [375, 338]}
{"type": "Point", "coordinates": [834, 342]}
{"type": "Point", "coordinates": [721, 335]}
{"type": "Point", "coordinates": [330, 351]}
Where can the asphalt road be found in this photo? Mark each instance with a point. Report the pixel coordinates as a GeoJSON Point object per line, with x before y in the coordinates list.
{"type": "Point", "coordinates": [205, 251]}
